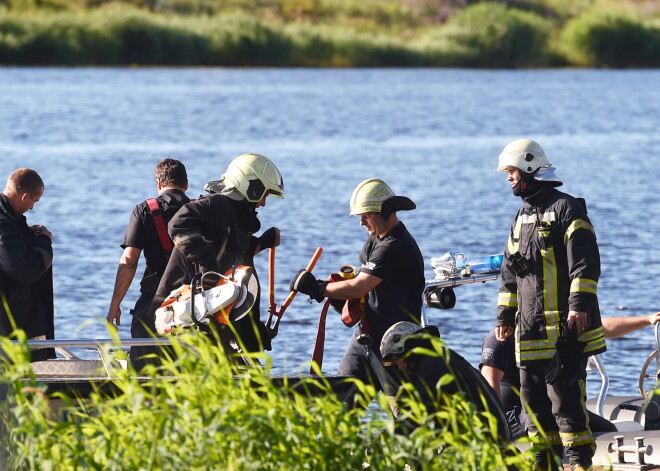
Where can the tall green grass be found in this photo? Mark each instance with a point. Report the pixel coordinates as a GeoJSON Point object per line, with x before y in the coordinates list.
{"type": "Point", "coordinates": [203, 413]}
{"type": "Point", "coordinates": [318, 33]}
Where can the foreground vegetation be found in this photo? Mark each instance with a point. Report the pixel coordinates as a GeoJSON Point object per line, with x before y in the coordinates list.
{"type": "Point", "coordinates": [215, 416]}
{"type": "Point", "coordinates": [438, 33]}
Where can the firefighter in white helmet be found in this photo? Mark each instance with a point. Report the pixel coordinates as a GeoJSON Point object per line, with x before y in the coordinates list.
{"type": "Point", "coordinates": [216, 232]}
{"type": "Point", "coordinates": [549, 294]}
{"type": "Point", "coordinates": [391, 277]}
{"type": "Point", "coordinates": [424, 361]}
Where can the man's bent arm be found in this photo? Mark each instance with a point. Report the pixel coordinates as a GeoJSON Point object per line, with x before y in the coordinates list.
{"type": "Point", "coordinates": [352, 289]}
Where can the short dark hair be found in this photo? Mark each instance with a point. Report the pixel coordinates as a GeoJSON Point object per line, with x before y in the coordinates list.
{"type": "Point", "coordinates": [26, 180]}
{"type": "Point", "coordinates": [171, 172]}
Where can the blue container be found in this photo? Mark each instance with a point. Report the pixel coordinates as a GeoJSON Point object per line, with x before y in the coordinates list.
{"type": "Point", "coordinates": [487, 264]}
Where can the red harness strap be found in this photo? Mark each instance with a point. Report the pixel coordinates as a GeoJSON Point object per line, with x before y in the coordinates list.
{"type": "Point", "coordinates": [161, 227]}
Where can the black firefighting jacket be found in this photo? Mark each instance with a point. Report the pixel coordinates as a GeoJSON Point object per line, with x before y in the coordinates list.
{"type": "Point", "coordinates": [214, 232]}
{"type": "Point", "coordinates": [551, 267]}
{"type": "Point", "coordinates": [26, 280]}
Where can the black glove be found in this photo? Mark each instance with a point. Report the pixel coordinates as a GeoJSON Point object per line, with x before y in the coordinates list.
{"type": "Point", "coordinates": [565, 366]}
{"type": "Point", "coordinates": [305, 283]}
{"type": "Point", "coordinates": [268, 238]}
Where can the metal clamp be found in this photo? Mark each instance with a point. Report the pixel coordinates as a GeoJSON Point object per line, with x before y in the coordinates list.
{"type": "Point", "coordinates": [639, 449]}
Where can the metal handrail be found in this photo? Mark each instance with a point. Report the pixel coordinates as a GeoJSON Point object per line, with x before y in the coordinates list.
{"type": "Point", "coordinates": [604, 383]}
{"type": "Point", "coordinates": [64, 343]}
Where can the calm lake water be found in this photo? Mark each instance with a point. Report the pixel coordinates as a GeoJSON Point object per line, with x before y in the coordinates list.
{"type": "Point", "coordinates": [95, 136]}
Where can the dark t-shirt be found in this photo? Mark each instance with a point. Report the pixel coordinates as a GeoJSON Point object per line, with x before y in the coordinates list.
{"type": "Point", "coordinates": [501, 355]}
{"type": "Point", "coordinates": [397, 260]}
{"type": "Point", "coordinates": [141, 230]}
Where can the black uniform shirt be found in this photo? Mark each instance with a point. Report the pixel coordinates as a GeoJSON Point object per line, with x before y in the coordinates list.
{"type": "Point", "coordinates": [141, 230]}
{"type": "Point", "coordinates": [501, 355]}
{"type": "Point", "coordinates": [397, 260]}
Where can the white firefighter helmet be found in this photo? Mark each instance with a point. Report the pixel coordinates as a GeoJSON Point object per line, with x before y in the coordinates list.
{"type": "Point", "coordinates": [369, 195]}
{"type": "Point", "coordinates": [254, 176]}
{"type": "Point", "coordinates": [524, 154]}
{"type": "Point", "coordinates": [375, 196]}
{"type": "Point", "coordinates": [393, 343]}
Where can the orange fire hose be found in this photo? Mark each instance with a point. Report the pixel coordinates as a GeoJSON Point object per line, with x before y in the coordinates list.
{"type": "Point", "coordinates": [272, 307]}
{"type": "Point", "coordinates": [292, 294]}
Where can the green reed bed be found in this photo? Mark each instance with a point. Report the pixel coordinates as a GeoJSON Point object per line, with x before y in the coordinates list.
{"type": "Point", "coordinates": [337, 33]}
{"type": "Point", "coordinates": [203, 413]}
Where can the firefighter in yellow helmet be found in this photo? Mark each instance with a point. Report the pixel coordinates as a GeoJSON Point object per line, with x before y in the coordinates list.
{"type": "Point", "coordinates": [391, 277]}
{"type": "Point", "coordinates": [549, 295]}
{"type": "Point", "coordinates": [217, 232]}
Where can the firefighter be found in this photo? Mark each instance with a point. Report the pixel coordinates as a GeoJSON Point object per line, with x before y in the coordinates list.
{"type": "Point", "coordinates": [391, 277]}
{"type": "Point", "coordinates": [216, 232]}
{"type": "Point", "coordinates": [549, 295]}
{"type": "Point", "coordinates": [147, 231]}
{"type": "Point", "coordinates": [424, 363]}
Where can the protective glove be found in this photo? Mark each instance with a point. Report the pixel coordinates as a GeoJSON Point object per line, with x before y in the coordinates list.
{"type": "Point", "coordinates": [268, 238]}
{"type": "Point", "coordinates": [564, 367]}
{"type": "Point", "coordinates": [305, 283]}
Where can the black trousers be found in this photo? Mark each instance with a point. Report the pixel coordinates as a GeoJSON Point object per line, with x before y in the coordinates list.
{"type": "Point", "coordinates": [561, 413]}
{"type": "Point", "coordinates": [364, 363]}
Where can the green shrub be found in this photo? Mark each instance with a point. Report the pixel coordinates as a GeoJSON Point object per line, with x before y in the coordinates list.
{"type": "Point", "coordinates": [490, 35]}
{"type": "Point", "coordinates": [343, 47]}
{"type": "Point", "coordinates": [218, 416]}
{"type": "Point", "coordinates": [611, 38]}
{"type": "Point", "coordinates": [240, 39]}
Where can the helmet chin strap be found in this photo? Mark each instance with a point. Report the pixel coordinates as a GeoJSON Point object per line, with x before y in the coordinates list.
{"type": "Point", "coordinates": [527, 185]}
{"type": "Point", "coordinates": [519, 188]}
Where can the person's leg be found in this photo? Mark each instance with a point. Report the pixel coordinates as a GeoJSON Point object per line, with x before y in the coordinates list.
{"type": "Point", "coordinates": [142, 328]}
{"type": "Point", "coordinates": [356, 363]}
{"type": "Point", "coordinates": [570, 412]}
{"type": "Point", "coordinates": [535, 397]}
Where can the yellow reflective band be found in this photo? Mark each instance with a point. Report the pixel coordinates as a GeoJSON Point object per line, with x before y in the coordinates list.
{"type": "Point", "coordinates": [584, 285]}
{"type": "Point", "coordinates": [512, 243]}
{"type": "Point", "coordinates": [575, 225]}
{"type": "Point", "coordinates": [185, 239]}
{"type": "Point", "coordinates": [535, 355]}
{"type": "Point", "coordinates": [591, 335]}
{"type": "Point", "coordinates": [507, 299]}
{"type": "Point", "coordinates": [549, 438]}
{"type": "Point", "coordinates": [537, 344]}
{"type": "Point", "coordinates": [595, 345]}
{"type": "Point", "coordinates": [550, 295]}
{"type": "Point", "coordinates": [576, 439]}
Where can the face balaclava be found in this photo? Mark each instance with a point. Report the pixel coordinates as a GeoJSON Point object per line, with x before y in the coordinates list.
{"type": "Point", "coordinates": [526, 186]}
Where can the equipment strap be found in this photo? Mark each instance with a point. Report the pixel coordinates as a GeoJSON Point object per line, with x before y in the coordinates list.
{"type": "Point", "coordinates": [319, 346]}
{"type": "Point", "coordinates": [161, 227]}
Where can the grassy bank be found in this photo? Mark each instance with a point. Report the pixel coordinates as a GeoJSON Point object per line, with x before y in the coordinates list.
{"type": "Point", "coordinates": [317, 33]}
{"type": "Point", "coordinates": [215, 416]}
